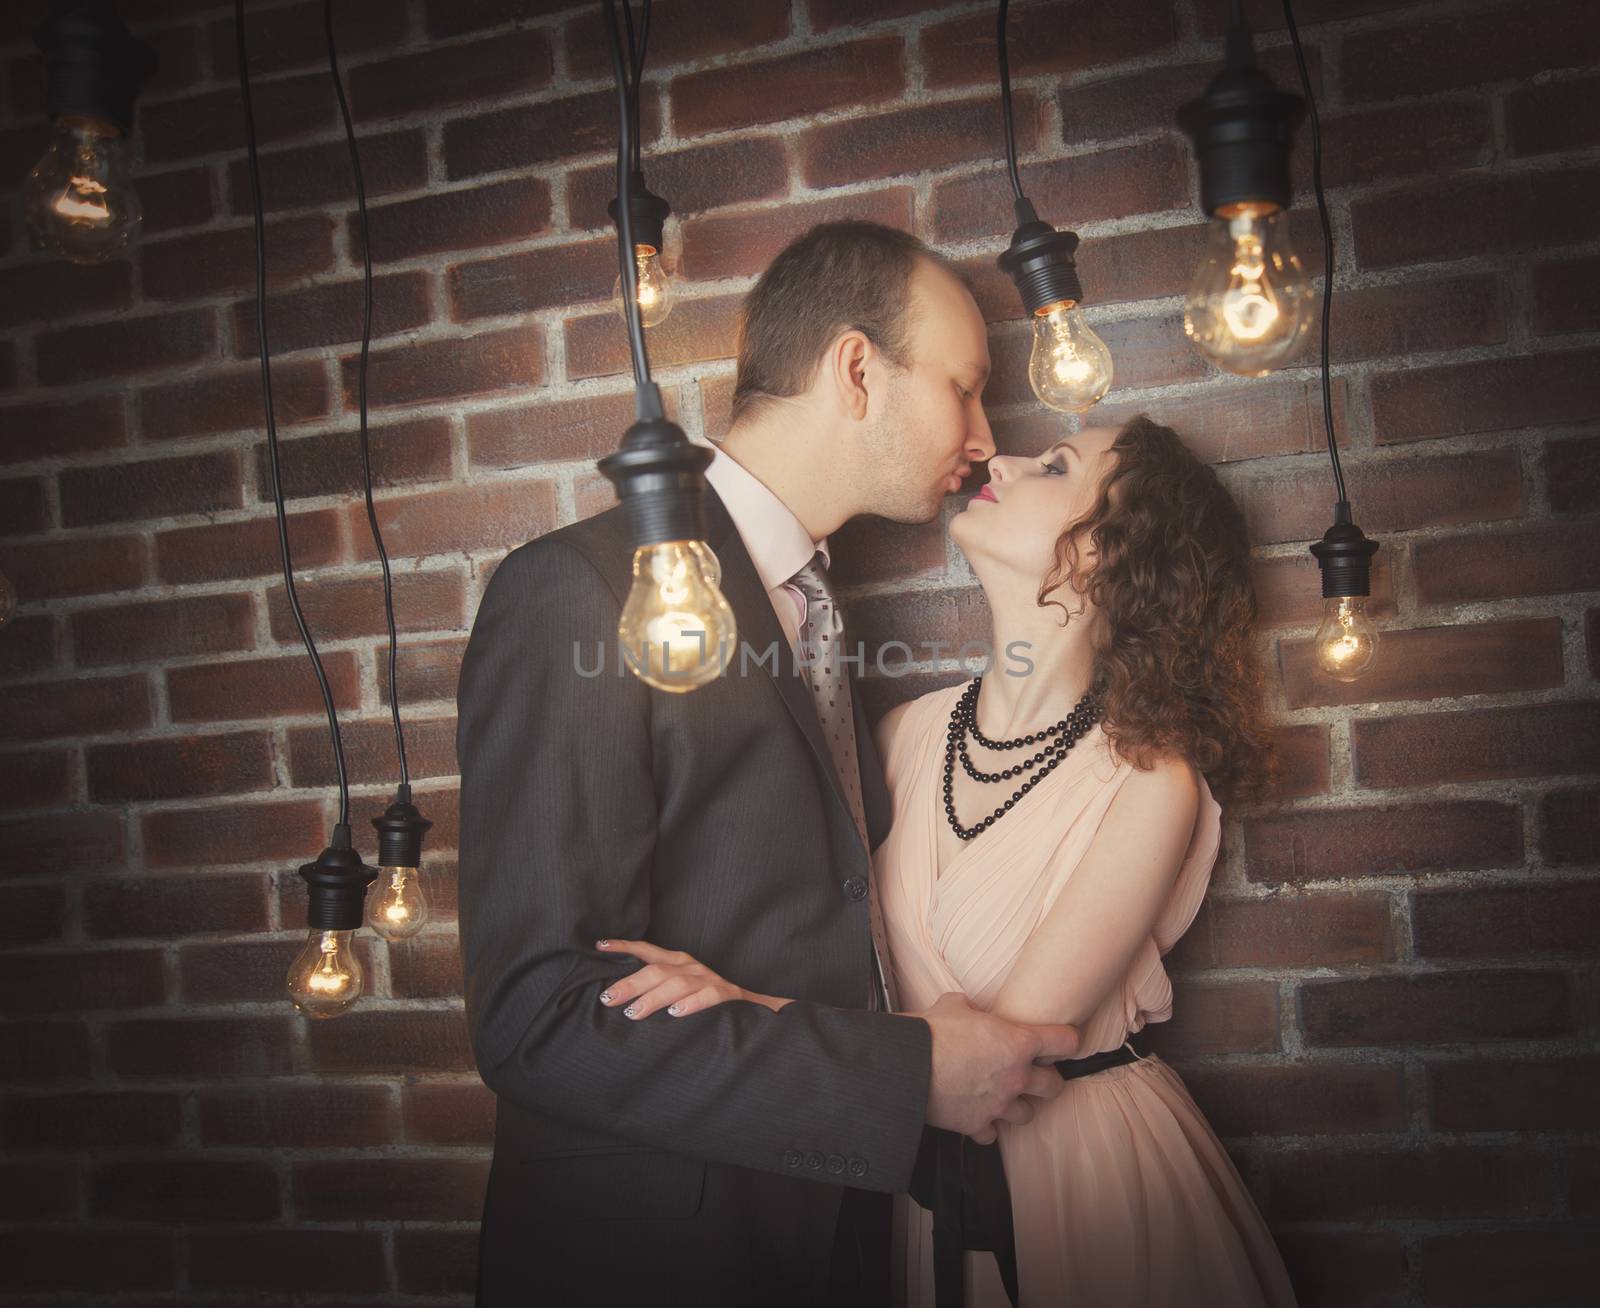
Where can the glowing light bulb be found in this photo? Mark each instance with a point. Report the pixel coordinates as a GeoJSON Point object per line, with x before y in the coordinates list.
{"type": "Point", "coordinates": [677, 630]}
{"type": "Point", "coordinates": [655, 287]}
{"type": "Point", "coordinates": [78, 200]}
{"type": "Point", "coordinates": [325, 977]}
{"type": "Point", "coordinates": [1347, 642]}
{"type": "Point", "coordinates": [1249, 306]}
{"type": "Point", "coordinates": [398, 909]}
{"type": "Point", "coordinates": [8, 600]}
{"type": "Point", "coordinates": [1070, 367]}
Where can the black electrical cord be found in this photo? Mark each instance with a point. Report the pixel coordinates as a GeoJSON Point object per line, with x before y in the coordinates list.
{"type": "Point", "coordinates": [647, 397]}
{"type": "Point", "coordinates": [1005, 102]}
{"type": "Point", "coordinates": [361, 382]}
{"type": "Point", "coordinates": [1327, 245]}
{"type": "Point", "coordinates": [637, 49]}
{"type": "Point", "coordinates": [272, 426]}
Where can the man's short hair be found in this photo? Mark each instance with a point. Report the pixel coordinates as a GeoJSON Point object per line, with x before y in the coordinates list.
{"type": "Point", "coordinates": [836, 277]}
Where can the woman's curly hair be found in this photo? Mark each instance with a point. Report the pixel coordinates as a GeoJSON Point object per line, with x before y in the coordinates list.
{"type": "Point", "coordinates": [1176, 668]}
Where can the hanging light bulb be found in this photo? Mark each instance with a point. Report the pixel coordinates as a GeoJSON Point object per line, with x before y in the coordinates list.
{"type": "Point", "coordinates": [397, 908]}
{"type": "Point", "coordinates": [655, 288]}
{"type": "Point", "coordinates": [78, 200]}
{"type": "Point", "coordinates": [1347, 642]}
{"type": "Point", "coordinates": [325, 977]}
{"type": "Point", "coordinates": [1070, 367]}
{"type": "Point", "coordinates": [677, 630]}
{"type": "Point", "coordinates": [8, 600]}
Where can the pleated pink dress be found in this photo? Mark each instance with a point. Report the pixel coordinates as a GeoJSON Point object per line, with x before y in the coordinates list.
{"type": "Point", "coordinates": [1121, 1193]}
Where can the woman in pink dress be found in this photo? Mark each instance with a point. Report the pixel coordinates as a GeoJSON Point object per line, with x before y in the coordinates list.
{"type": "Point", "coordinates": [1055, 826]}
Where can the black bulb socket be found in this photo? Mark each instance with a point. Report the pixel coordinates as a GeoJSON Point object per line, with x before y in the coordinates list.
{"type": "Point", "coordinates": [1040, 261]}
{"type": "Point", "coordinates": [1242, 130]}
{"type": "Point", "coordinates": [659, 475]}
{"type": "Point", "coordinates": [1345, 556]}
{"type": "Point", "coordinates": [400, 831]}
{"type": "Point", "coordinates": [337, 885]}
{"type": "Point", "coordinates": [94, 65]}
{"type": "Point", "coordinates": [647, 213]}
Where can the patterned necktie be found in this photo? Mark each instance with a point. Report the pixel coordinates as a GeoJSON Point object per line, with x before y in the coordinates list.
{"type": "Point", "coordinates": [821, 645]}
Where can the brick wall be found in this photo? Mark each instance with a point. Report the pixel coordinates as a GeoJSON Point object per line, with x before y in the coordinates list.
{"type": "Point", "coordinates": [1388, 1005]}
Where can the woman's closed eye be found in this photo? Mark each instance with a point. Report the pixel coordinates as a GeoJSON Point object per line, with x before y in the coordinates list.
{"type": "Point", "coordinates": [1053, 469]}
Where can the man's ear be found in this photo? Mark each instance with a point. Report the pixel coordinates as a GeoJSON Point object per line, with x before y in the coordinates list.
{"type": "Point", "coordinates": [846, 369]}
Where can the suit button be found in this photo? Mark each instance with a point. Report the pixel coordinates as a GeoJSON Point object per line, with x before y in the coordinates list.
{"type": "Point", "coordinates": [858, 1167]}
{"type": "Point", "coordinates": [813, 1159]}
{"type": "Point", "coordinates": [855, 888]}
{"type": "Point", "coordinates": [791, 1157]}
{"type": "Point", "coordinates": [835, 1164]}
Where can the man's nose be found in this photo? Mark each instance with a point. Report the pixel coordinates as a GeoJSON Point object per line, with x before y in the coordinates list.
{"type": "Point", "coordinates": [980, 440]}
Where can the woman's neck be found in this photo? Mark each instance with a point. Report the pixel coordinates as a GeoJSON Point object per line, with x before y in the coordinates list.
{"type": "Point", "coordinates": [1016, 698]}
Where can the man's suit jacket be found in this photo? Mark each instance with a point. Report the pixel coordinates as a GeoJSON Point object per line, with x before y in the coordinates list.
{"type": "Point", "coordinates": [697, 1159]}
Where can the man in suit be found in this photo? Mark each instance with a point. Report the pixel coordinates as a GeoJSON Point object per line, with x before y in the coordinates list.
{"type": "Point", "coordinates": [738, 1155]}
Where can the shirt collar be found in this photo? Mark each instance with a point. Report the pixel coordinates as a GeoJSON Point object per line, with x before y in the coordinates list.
{"type": "Point", "coordinates": [777, 543]}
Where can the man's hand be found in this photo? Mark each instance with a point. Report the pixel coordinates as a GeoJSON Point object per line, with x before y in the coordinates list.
{"type": "Point", "coordinates": [984, 1068]}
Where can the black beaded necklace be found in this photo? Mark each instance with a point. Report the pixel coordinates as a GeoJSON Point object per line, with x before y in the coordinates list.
{"type": "Point", "coordinates": [964, 719]}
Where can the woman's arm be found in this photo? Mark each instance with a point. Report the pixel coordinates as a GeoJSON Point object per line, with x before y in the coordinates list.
{"type": "Point", "coordinates": [673, 980]}
{"type": "Point", "coordinates": [1083, 948]}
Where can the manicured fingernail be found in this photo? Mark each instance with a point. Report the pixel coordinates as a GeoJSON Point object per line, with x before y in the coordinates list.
{"type": "Point", "coordinates": [673, 1009]}
{"type": "Point", "coordinates": [602, 944]}
{"type": "Point", "coordinates": [628, 1011]}
{"type": "Point", "coordinates": [605, 996]}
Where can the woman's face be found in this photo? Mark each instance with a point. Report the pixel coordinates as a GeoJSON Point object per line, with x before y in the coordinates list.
{"type": "Point", "coordinates": [1011, 526]}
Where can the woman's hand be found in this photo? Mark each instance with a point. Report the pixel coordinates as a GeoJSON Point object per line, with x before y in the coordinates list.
{"type": "Point", "coordinates": [672, 980]}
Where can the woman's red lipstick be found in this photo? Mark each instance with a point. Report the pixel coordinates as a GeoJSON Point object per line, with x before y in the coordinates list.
{"type": "Point", "coordinates": [986, 493]}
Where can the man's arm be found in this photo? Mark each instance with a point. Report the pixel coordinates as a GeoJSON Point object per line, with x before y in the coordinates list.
{"type": "Point", "coordinates": [558, 830]}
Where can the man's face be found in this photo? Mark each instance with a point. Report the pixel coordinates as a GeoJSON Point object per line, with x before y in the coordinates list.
{"type": "Point", "coordinates": [927, 428]}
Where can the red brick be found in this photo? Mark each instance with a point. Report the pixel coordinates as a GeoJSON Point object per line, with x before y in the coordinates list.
{"type": "Point", "coordinates": [462, 219]}
{"type": "Point", "coordinates": [78, 1258]}
{"type": "Point", "coordinates": [35, 778]}
{"type": "Point", "coordinates": [209, 123]}
{"type": "Point", "coordinates": [150, 488]}
{"type": "Point", "coordinates": [1515, 1094]}
{"type": "Point", "coordinates": [741, 243]}
{"type": "Point", "coordinates": [369, 751]}
{"type": "Point", "coordinates": [249, 970]}
{"type": "Point", "coordinates": [402, 454]}
{"type": "Point", "coordinates": [493, 515]}
{"type": "Point", "coordinates": [426, 967]}
{"type": "Point", "coordinates": [593, 494]}
{"type": "Point", "coordinates": [1290, 930]}
{"type": "Point", "coordinates": [1507, 921]}
{"type": "Point", "coordinates": [442, 1261]}
{"type": "Point", "coordinates": [1530, 740]}
{"type": "Point", "coordinates": [1565, 294]}
{"type": "Point", "coordinates": [179, 198]}
{"type": "Point", "coordinates": [203, 1048]}
{"type": "Point", "coordinates": [174, 906]}
{"type": "Point", "coordinates": [1399, 142]}
{"type": "Point", "coordinates": [510, 64]}
{"type": "Point", "coordinates": [1550, 559]}
{"type": "Point", "coordinates": [47, 430]}
{"type": "Point", "coordinates": [1214, 1018]}
{"type": "Point", "coordinates": [444, 1114]}
{"type": "Point", "coordinates": [1389, 495]}
{"type": "Point", "coordinates": [223, 262]}
{"type": "Point", "coordinates": [1549, 116]}
{"type": "Point", "coordinates": [159, 629]}
{"type": "Point", "coordinates": [179, 767]}
{"type": "Point", "coordinates": [233, 833]}
{"type": "Point", "coordinates": [1474, 214]}
{"type": "Point", "coordinates": [1436, 1008]}
{"type": "Point", "coordinates": [229, 399]}
{"type": "Point", "coordinates": [1538, 390]}
{"type": "Point", "coordinates": [81, 981]}
{"type": "Point", "coordinates": [1507, 1267]}
{"type": "Point", "coordinates": [919, 139]}
{"type": "Point", "coordinates": [1569, 825]}
{"type": "Point", "coordinates": [261, 688]}
{"type": "Point", "coordinates": [40, 291]}
{"type": "Point", "coordinates": [298, 1117]}
{"type": "Point", "coordinates": [544, 133]}
{"type": "Point", "coordinates": [1299, 1098]}
{"type": "Point", "coordinates": [29, 646]}
{"type": "Point", "coordinates": [457, 17]}
{"type": "Point", "coordinates": [875, 549]}
{"type": "Point", "coordinates": [1376, 322]}
{"type": "Point", "coordinates": [298, 1260]}
{"type": "Point", "coordinates": [120, 1119]}
{"type": "Point", "coordinates": [346, 607]}
{"type": "Point", "coordinates": [1337, 843]}
{"type": "Point", "coordinates": [226, 551]}
{"type": "Point", "coordinates": [331, 315]}
{"type": "Point", "coordinates": [32, 915]}
{"type": "Point", "coordinates": [390, 1189]}
{"type": "Point", "coordinates": [1583, 1180]}
{"type": "Point", "coordinates": [89, 565]}
{"type": "Point", "coordinates": [420, 372]}
{"type": "Point", "coordinates": [549, 277]}
{"type": "Point", "coordinates": [1302, 750]}
{"type": "Point", "coordinates": [1572, 473]}
{"type": "Point", "coordinates": [196, 1191]}
{"type": "Point", "coordinates": [584, 428]}
{"type": "Point", "coordinates": [320, 174]}
{"type": "Point", "coordinates": [1434, 663]}
{"type": "Point", "coordinates": [962, 51]}
{"type": "Point", "coordinates": [128, 345]}
{"type": "Point", "coordinates": [45, 1051]}
{"type": "Point", "coordinates": [392, 1044]}
{"type": "Point", "coordinates": [693, 180]}
{"type": "Point", "coordinates": [1125, 268]}
{"type": "Point", "coordinates": [687, 31]}
{"type": "Point", "coordinates": [1118, 183]}
{"type": "Point", "coordinates": [23, 507]}
{"type": "Point", "coordinates": [427, 671]}
{"type": "Point", "coordinates": [1289, 590]}
{"type": "Point", "coordinates": [698, 330]}
{"type": "Point", "coordinates": [292, 37]}
{"type": "Point", "coordinates": [1465, 49]}
{"type": "Point", "coordinates": [80, 706]}
{"type": "Point", "coordinates": [1430, 1183]}
{"type": "Point", "coordinates": [792, 86]}
{"type": "Point", "coordinates": [69, 843]}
